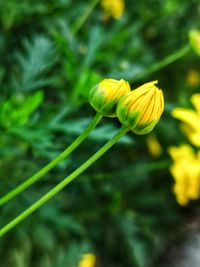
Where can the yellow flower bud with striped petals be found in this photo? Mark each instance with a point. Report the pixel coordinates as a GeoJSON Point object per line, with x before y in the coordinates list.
{"type": "Point", "coordinates": [105, 96]}
{"type": "Point", "coordinates": [141, 109]}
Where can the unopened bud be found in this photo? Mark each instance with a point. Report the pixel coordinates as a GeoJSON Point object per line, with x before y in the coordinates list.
{"type": "Point", "coordinates": [105, 96]}
{"type": "Point", "coordinates": [141, 109]}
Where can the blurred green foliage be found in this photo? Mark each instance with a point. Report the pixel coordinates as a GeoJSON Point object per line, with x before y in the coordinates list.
{"type": "Point", "coordinates": [52, 52]}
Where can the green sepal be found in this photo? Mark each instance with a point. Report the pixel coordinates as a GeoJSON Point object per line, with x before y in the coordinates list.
{"type": "Point", "coordinates": [109, 109]}
{"type": "Point", "coordinates": [129, 119]}
{"type": "Point", "coordinates": [99, 102]}
{"type": "Point", "coordinates": [132, 120]}
{"type": "Point", "coordinates": [145, 128]}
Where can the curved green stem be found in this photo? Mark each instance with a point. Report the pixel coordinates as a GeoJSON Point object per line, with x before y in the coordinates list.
{"type": "Point", "coordinates": [53, 163]}
{"type": "Point", "coordinates": [163, 63]}
{"type": "Point", "coordinates": [80, 22]}
{"type": "Point", "coordinates": [65, 182]}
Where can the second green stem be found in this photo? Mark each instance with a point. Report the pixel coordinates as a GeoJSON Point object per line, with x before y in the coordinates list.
{"type": "Point", "coordinates": [65, 182]}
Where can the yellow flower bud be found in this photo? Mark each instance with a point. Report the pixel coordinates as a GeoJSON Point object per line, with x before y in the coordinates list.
{"type": "Point", "coordinates": [194, 36]}
{"type": "Point", "coordinates": [141, 109]}
{"type": "Point", "coordinates": [105, 96]}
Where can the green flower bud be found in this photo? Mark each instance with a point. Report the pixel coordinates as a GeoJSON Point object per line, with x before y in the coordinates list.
{"type": "Point", "coordinates": [141, 109]}
{"type": "Point", "coordinates": [105, 96]}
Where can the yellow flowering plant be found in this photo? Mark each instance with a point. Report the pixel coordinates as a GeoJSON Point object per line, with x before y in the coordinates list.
{"type": "Point", "coordinates": [139, 111]}
{"type": "Point", "coordinates": [186, 166]}
{"type": "Point", "coordinates": [186, 172]}
{"type": "Point", "coordinates": [63, 202]}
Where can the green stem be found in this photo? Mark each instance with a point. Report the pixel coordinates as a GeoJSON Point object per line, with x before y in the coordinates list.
{"type": "Point", "coordinates": [163, 63]}
{"type": "Point", "coordinates": [65, 182]}
{"type": "Point", "coordinates": [53, 163]}
{"type": "Point", "coordinates": [85, 16]}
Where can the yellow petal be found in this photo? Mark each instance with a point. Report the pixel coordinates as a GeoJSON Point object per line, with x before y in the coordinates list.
{"type": "Point", "coordinates": [188, 116]}
{"type": "Point", "coordinates": [114, 8]}
{"type": "Point", "coordinates": [195, 138]}
{"type": "Point", "coordinates": [192, 134]}
{"type": "Point", "coordinates": [182, 152]}
{"type": "Point", "coordinates": [147, 86]}
{"type": "Point", "coordinates": [195, 99]}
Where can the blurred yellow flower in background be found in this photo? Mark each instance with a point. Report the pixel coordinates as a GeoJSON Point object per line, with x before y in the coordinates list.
{"type": "Point", "coordinates": [113, 8]}
{"type": "Point", "coordinates": [186, 173]}
{"type": "Point", "coordinates": [153, 145]}
{"type": "Point", "coordinates": [193, 78]}
{"type": "Point", "coordinates": [88, 260]}
{"type": "Point", "coordinates": [190, 119]}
